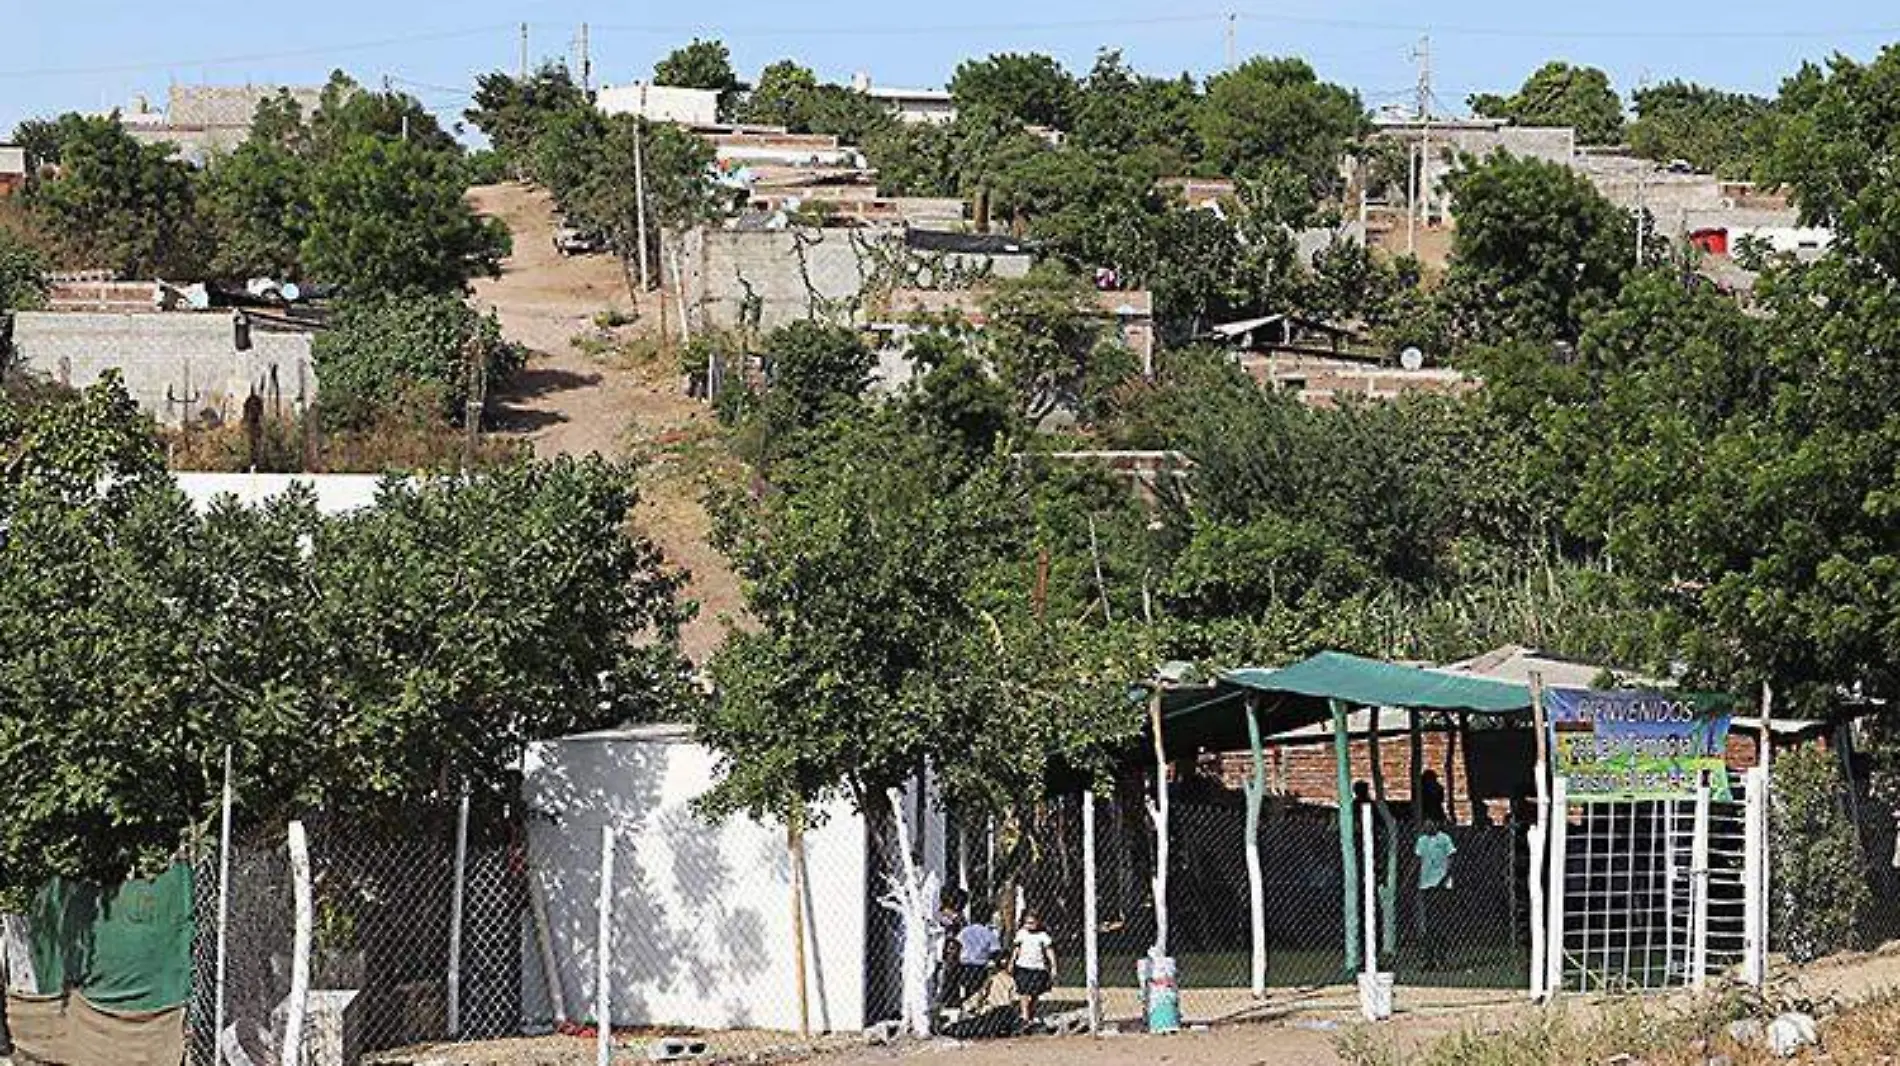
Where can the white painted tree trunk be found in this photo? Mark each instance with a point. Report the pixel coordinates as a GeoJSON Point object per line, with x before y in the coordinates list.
{"type": "Point", "coordinates": [912, 896]}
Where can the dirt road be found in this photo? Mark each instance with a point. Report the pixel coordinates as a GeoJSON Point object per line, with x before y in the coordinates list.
{"type": "Point", "coordinates": [570, 402]}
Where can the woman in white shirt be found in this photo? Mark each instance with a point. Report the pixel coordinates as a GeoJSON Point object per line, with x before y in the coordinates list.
{"type": "Point", "coordinates": [1033, 965]}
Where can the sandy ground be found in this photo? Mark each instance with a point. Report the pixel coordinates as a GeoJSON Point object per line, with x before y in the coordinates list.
{"type": "Point", "coordinates": [1289, 1030]}
{"type": "Point", "coordinates": [568, 402]}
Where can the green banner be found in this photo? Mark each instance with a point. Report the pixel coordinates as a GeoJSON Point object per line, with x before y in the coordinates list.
{"type": "Point", "coordinates": [1638, 745]}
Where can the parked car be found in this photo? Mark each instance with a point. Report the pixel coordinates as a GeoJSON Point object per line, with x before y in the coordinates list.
{"type": "Point", "coordinates": [572, 240]}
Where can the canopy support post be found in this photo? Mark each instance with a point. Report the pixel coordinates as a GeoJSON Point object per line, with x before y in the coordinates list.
{"type": "Point", "coordinates": [1256, 889]}
{"type": "Point", "coordinates": [1348, 859]}
{"type": "Point", "coordinates": [1389, 883]}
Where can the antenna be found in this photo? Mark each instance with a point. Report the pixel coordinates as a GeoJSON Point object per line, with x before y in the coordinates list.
{"type": "Point", "coordinates": [1232, 18]}
{"type": "Point", "coordinates": [1423, 54]}
{"type": "Point", "coordinates": [524, 51]}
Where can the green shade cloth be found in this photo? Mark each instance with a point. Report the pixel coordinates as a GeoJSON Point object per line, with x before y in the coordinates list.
{"type": "Point", "coordinates": [124, 949]}
{"type": "Point", "coordinates": [1214, 716]}
{"type": "Point", "coordinates": [1333, 675]}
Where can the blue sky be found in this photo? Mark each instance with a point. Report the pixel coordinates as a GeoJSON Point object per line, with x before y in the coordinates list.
{"type": "Point", "coordinates": [90, 54]}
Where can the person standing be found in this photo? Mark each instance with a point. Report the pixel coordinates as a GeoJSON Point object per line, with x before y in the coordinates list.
{"type": "Point", "coordinates": [978, 947]}
{"type": "Point", "coordinates": [1033, 965]}
{"type": "Point", "coordinates": [1434, 849]}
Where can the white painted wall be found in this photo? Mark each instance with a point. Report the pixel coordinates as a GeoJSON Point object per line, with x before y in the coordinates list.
{"type": "Point", "coordinates": [661, 103]}
{"type": "Point", "coordinates": [336, 493]}
{"type": "Point", "coordinates": [702, 912]}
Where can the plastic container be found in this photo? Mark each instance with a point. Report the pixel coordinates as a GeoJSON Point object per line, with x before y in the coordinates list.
{"type": "Point", "coordinates": [1160, 994]}
{"type": "Point", "coordinates": [1375, 996]}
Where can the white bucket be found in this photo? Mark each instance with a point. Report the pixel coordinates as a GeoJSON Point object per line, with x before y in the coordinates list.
{"type": "Point", "coordinates": [1375, 996]}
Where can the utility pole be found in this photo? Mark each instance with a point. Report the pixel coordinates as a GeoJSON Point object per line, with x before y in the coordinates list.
{"type": "Point", "coordinates": [1424, 106]}
{"type": "Point", "coordinates": [587, 63]}
{"type": "Point", "coordinates": [1231, 20]}
{"type": "Point", "coordinates": [640, 195]}
{"type": "Point", "coordinates": [524, 51]}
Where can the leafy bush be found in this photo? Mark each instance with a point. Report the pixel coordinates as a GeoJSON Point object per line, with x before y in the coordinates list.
{"type": "Point", "coordinates": [22, 273]}
{"type": "Point", "coordinates": [1820, 883]}
{"type": "Point", "coordinates": [379, 352]}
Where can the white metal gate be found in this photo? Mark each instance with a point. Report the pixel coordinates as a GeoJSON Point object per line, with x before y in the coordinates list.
{"type": "Point", "coordinates": [1653, 894]}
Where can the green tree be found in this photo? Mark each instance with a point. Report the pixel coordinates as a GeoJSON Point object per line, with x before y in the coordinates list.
{"type": "Point", "coordinates": [702, 65]}
{"type": "Point", "coordinates": [388, 216]}
{"type": "Point", "coordinates": [960, 401]}
{"type": "Point", "coordinates": [782, 96]}
{"type": "Point", "coordinates": [1559, 94]}
{"type": "Point", "coordinates": [1029, 88]}
{"type": "Point", "coordinates": [257, 203]}
{"type": "Point", "coordinates": [1120, 113]}
{"type": "Point", "coordinates": [1044, 334]}
{"type": "Point", "coordinates": [513, 111]}
{"type": "Point", "coordinates": [1277, 111]}
{"type": "Point", "coordinates": [356, 665]}
{"type": "Point", "coordinates": [118, 204]}
{"type": "Point", "coordinates": [380, 354]}
{"type": "Point", "coordinates": [1536, 247]}
{"type": "Point", "coordinates": [1716, 131]}
{"type": "Point", "coordinates": [816, 370]}
{"type": "Point", "coordinates": [22, 273]}
{"type": "Point", "coordinates": [1834, 142]}
{"type": "Point", "coordinates": [346, 113]}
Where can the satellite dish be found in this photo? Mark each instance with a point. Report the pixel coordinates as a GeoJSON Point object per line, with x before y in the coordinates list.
{"type": "Point", "coordinates": [289, 291]}
{"type": "Point", "coordinates": [1412, 359]}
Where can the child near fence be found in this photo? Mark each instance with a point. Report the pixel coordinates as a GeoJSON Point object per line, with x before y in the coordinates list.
{"type": "Point", "coordinates": [1033, 965]}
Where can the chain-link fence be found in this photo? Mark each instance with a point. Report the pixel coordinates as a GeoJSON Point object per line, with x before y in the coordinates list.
{"type": "Point", "coordinates": [751, 939]}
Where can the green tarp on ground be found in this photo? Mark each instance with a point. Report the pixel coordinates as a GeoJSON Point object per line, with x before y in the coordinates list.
{"type": "Point", "coordinates": [125, 949]}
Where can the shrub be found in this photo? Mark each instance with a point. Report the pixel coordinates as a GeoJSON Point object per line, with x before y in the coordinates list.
{"type": "Point", "coordinates": [379, 352]}
{"type": "Point", "coordinates": [1820, 878]}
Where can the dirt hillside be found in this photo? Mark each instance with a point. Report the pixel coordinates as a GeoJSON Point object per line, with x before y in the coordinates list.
{"type": "Point", "coordinates": [578, 400]}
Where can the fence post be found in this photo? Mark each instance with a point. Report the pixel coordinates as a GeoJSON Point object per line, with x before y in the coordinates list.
{"type": "Point", "coordinates": [224, 912]}
{"type": "Point", "coordinates": [603, 948]}
{"type": "Point", "coordinates": [795, 849]}
{"type": "Point", "coordinates": [1558, 836]}
{"type": "Point", "coordinates": [1256, 883]}
{"type": "Point", "coordinates": [1158, 812]}
{"type": "Point", "coordinates": [1752, 902]}
{"type": "Point", "coordinates": [1699, 889]}
{"type": "Point", "coordinates": [1765, 872]}
{"type": "Point", "coordinates": [300, 947]}
{"type": "Point", "coordinates": [455, 917]}
{"type": "Point", "coordinates": [1538, 837]}
{"type": "Point", "coordinates": [1348, 850]}
{"type": "Point", "coordinates": [1091, 920]}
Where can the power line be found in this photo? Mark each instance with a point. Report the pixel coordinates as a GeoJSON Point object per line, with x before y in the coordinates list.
{"type": "Point", "coordinates": [860, 30]}
{"type": "Point", "coordinates": [255, 57]}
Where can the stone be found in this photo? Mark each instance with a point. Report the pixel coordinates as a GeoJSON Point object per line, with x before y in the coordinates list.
{"type": "Point", "coordinates": [1746, 1032]}
{"type": "Point", "coordinates": [1790, 1033]}
{"type": "Point", "coordinates": [884, 1032]}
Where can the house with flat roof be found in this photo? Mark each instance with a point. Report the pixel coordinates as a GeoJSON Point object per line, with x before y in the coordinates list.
{"type": "Point", "coordinates": [201, 121]}
{"type": "Point", "coordinates": [695, 108]}
{"type": "Point", "coordinates": [934, 106]}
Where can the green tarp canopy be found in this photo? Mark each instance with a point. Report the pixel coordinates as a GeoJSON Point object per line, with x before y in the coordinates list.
{"type": "Point", "coordinates": [1214, 716]}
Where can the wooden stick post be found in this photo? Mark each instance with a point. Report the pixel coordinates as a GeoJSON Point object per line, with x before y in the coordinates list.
{"type": "Point", "coordinates": [1539, 838]}
{"type": "Point", "coordinates": [1158, 810]}
{"type": "Point", "coordinates": [1348, 857]}
{"type": "Point", "coordinates": [1256, 882]}
{"type": "Point", "coordinates": [224, 900]}
{"type": "Point", "coordinates": [456, 908]}
{"type": "Point", "coordinates": [603, 953]}
{"type": "Point", "coordinates": [795, 845]}
{"type": "Point", "coordinates": [1091, 916]}
{"type": "Point", "coordinates": [299, 999]}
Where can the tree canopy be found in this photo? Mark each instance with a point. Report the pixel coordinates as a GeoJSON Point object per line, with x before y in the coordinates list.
{"type": "Point", "coordinates": [1559, 94]}
{"type": "Point", "coordinates": [364, 665]}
